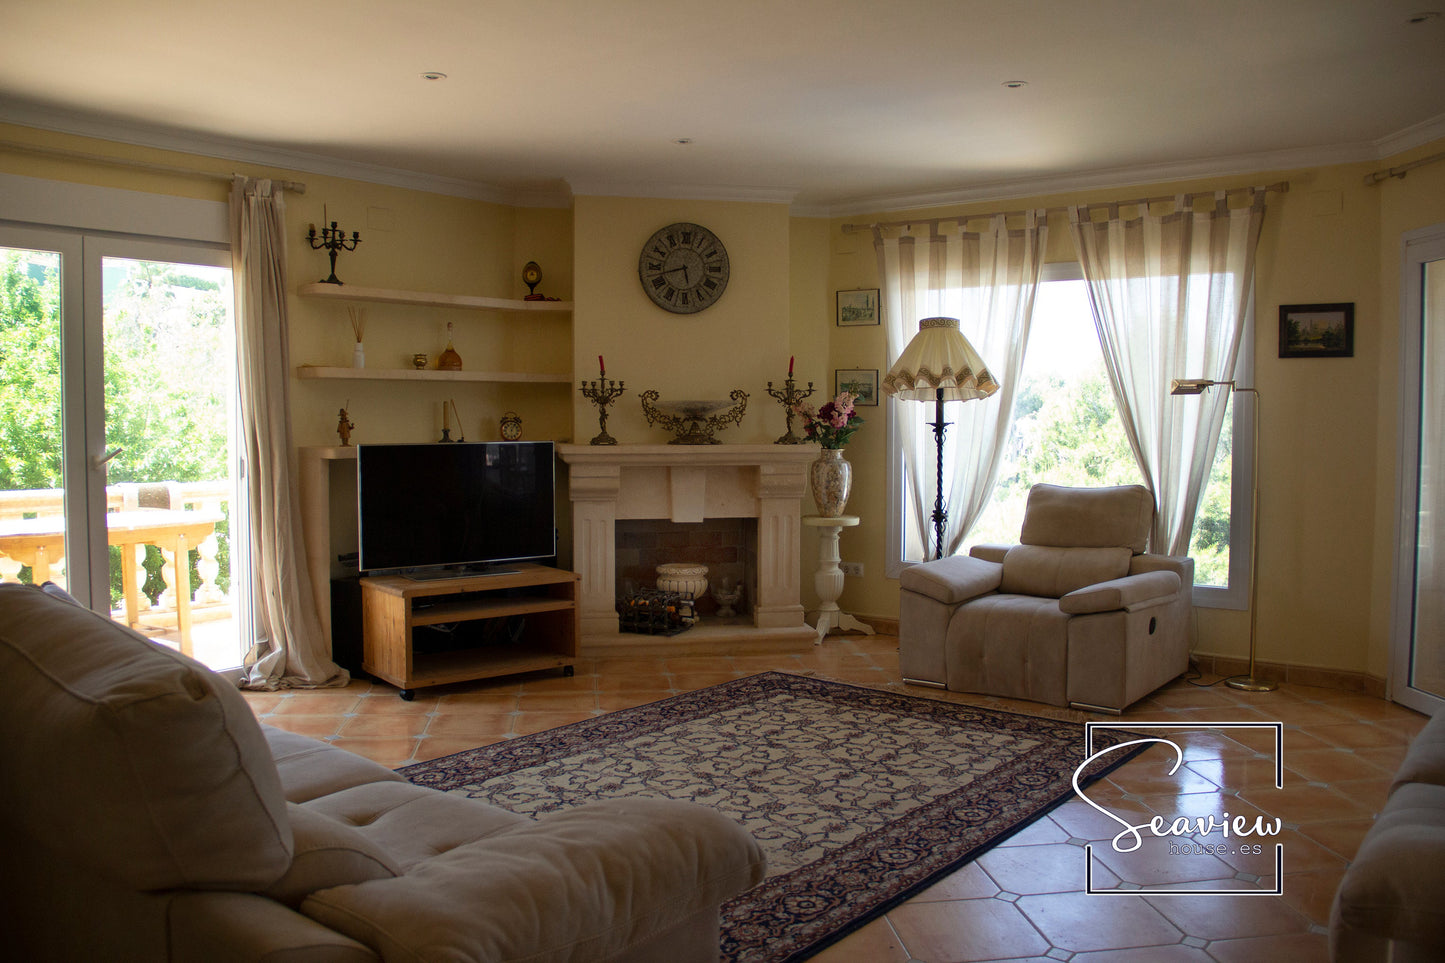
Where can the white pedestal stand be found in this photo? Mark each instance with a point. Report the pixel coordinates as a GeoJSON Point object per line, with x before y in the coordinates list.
{"type": "Point", "coordinates": [829, 579]}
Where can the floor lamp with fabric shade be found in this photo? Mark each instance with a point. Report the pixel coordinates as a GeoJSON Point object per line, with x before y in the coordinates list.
{"type": "Point", "coordinates": [939, 365]}
{"type": "Point", "coordinates": [1197, 386]}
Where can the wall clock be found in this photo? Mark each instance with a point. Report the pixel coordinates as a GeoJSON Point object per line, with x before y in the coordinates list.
{"type": "Point", "coordinates": [684, 268]}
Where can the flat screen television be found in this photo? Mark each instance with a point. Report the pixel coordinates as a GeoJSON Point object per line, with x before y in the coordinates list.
{"type": "Point", "coordinates": [449, 509]}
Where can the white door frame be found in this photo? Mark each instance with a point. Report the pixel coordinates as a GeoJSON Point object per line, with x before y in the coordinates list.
{"type": "Point", "coordinates": [1417, 248]}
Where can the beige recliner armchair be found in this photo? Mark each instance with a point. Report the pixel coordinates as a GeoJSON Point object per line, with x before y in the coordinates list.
{"type": "Point", "coordinates": [1076, 615]}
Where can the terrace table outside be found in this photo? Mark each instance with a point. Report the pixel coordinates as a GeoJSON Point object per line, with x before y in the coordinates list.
{"type": "Point", "coordinates": [40, 543]}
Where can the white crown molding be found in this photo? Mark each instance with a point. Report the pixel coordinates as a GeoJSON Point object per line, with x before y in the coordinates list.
{"type": "Point", "coordinates": [1411, 137]}
{"type": "Point", "coordinates": [1417, 135]}
{"type": "Point", "coordinates": [239, 151]}
{"type": "Point", "coordinates": [1112, 178]}
{"type": "Point", "coordinates": [140, 135]}
{"type": "Point", "coordinates": [694, 192]}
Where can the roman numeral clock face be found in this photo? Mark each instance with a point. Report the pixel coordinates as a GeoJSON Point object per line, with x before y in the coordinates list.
{"type": "Point", "coordinates": [684, 268]}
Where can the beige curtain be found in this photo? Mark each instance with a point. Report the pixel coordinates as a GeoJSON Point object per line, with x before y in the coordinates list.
{"type": "Point", "coordinates": [1170, 294]}
{"type": "Point", "coordinates": [987, 279]}
{"type": "Point", "coordinates": [290, 648]}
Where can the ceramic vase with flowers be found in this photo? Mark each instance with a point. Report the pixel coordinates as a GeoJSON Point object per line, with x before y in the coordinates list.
{"type": "Point", "coordinates": [830, 477]}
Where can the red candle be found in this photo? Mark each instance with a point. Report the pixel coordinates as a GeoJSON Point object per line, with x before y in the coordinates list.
{"type": "Point", "coordinates": [601, 368]}
{"type": "Point", "coordinates": [790, 366]}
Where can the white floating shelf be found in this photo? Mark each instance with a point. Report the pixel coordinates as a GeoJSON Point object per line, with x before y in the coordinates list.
{"type": "Point", "coordinates": [351, 292]}
{"type": "Point", "coordinates": [426, 374]}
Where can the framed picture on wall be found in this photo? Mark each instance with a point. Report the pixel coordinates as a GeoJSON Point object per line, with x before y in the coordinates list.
{"type": "Point", "coordinates": [1317, 330]}
{"type": "Point", "coordinates": [862, 382]}
{"type": "Point", "coordinates": [858, 307]}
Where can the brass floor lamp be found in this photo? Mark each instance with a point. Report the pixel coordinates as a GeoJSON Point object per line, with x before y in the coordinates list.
{"type": "Point", "coordinates": [1197, 386]}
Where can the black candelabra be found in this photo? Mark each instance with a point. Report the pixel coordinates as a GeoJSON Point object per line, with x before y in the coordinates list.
{"type": "Point", "coordinates": [333, 241]}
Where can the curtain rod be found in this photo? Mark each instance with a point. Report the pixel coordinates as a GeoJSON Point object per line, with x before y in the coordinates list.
{"type": "Point", "coordinates": [1279, 187]}
{"type": "Point", "coordinates": [295, 187]}
{"type": "Point", "coordinates": [1376, 176]}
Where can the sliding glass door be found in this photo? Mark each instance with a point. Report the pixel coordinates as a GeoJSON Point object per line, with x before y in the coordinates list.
{"type": "Point", "coordinates": [1418, 642]}
{"type": "Point", "coordinates": [118, 471]}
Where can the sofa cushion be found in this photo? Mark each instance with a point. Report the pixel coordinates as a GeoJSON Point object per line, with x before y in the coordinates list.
{"type": "Point", "coordinates": [952, 580]}
{"type": "Point", "coordinates": [327, 853]}
{"type": "Point", "coordinates": [1393, 887]}
{"type": "Point", "coordinates": [1055, 572]}
{"type": "Point", "coordinates": [1425, 762]}
{"type": "Point", "coordinates": [1088, 517]}
{"type": "Point", "coordinates": [411, 823]}
{"type": "Point", "coordinates": [588, 883]}
{"type": "Point", "coordinates": [152, 771]}
{"type": "Point", "coordinates": [310, 768]}
{"type": "Point", "coordinates": [1148, 588]}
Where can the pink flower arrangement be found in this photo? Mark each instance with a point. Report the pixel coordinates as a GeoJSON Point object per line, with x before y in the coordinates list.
{"type": "Point", "coordinates": [833, 424]}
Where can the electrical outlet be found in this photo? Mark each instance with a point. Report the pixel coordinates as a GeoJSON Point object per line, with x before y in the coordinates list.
{"type": "Point", "coordinates": [853, 569]}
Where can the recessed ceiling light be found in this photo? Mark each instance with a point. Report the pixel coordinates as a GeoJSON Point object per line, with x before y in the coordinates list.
{"type": "Point", "coordinates": [433, 75]}
{"type": "Point", "coordinates": [1424, 17]}
{"type": "Point", "coordinates": [1015, 84]}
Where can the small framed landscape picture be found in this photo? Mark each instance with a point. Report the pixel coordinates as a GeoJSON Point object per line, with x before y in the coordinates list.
{"type": "Point", "coordinates": [1317, 330]}
{"type": "Point", "coordinates": [858, 307]}
{"type": "Point", "coordinates": [862, 382]}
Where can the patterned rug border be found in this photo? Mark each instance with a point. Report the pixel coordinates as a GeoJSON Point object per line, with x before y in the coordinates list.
{"type": "Point", "coordinates": [783, 901]}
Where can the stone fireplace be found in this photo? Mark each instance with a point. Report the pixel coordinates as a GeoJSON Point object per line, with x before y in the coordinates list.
{"type": "Point", "coordinates": [734, 508]}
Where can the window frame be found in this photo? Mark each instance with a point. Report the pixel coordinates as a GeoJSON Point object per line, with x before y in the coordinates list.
{"type": "Point", "coordinates": [1233, 596]}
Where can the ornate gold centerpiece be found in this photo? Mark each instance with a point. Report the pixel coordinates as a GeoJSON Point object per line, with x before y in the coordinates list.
{"type": "Point", "coordinates": [694, 421]}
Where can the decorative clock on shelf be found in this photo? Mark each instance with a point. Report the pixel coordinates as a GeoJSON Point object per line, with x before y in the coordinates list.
{"type": "Point", "coordinates": [531, 277]}
{"type": "Point", "coordinates": [684, 268]}
{"type": "Point", "coordinates": [511, 426]}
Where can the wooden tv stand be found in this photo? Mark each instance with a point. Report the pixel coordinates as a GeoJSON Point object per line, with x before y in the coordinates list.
{"type": "Point", "coordinates": [393, 606]}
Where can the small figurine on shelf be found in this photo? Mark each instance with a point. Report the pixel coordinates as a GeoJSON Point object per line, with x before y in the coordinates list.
{"type": "Point", "coordinates": [343, 428]}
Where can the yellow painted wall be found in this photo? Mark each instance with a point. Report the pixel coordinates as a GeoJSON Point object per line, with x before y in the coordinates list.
{"type": "Point", "coordinates": [742, 341]}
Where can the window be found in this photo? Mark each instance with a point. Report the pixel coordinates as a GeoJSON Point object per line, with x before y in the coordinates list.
{"type": "Point", "coordinates": [1067, 431]}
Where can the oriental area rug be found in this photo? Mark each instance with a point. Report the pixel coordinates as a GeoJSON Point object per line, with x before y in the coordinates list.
{"type": "Point", "coordinates": [860, 798]}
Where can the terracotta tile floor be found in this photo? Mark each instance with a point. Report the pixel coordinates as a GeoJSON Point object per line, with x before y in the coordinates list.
{"type": "Point", "coordinates": [1023, 900]}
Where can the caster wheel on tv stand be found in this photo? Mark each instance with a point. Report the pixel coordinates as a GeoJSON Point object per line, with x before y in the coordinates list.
{"type": "Point", "coordinates": [568, 671]}
{"type": "Point", "coordinates": [407, 695]}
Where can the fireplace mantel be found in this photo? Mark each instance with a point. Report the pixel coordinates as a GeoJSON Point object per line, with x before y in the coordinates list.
{"type": "Point", "coordinates": [689, 483]}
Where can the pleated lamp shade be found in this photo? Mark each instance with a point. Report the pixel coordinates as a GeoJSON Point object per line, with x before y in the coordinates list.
{"type": "Point", "coordinates": [939, 356]}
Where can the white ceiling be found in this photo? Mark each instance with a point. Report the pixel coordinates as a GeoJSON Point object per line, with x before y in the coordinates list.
{"type": "Point", "coordinates": [837, 106]}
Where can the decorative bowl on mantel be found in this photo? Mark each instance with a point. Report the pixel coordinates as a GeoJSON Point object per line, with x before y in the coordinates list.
{"type": "Point", "coordinates": [693, 422]}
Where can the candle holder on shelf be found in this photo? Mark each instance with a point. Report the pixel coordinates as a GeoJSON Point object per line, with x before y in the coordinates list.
{"type": "Point", "coordinates": [602, 393]}
{"type": "Point", "coordinates": [789, 396]}
{"type": "Point", "coordinates": [332, 241]}
{"type": "Point", "coordinates": [694, 421]}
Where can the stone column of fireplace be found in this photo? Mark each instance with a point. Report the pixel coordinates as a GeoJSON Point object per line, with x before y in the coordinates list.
{"type": "Point", "coordinates": [593, 489]}
{"type": "Point", "coordinates": [689, 484]}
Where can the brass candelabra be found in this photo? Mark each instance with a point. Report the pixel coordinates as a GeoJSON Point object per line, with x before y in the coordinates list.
{"type": "Point", "coordinates": [603, 392]}
{"type": "Point", "coordinates": [789, 396]}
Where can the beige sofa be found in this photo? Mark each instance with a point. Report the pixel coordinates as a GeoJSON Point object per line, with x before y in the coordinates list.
{"type": "Point", "coordinates": [1076, 615]}
{"type": "Point", "coordinates": [150, 817]}
{"type": "Point", "coordinates": [1390, 905]}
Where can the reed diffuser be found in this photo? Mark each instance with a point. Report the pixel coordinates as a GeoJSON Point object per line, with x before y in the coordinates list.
{"type": "Point", "coordinates": [358, 328]}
